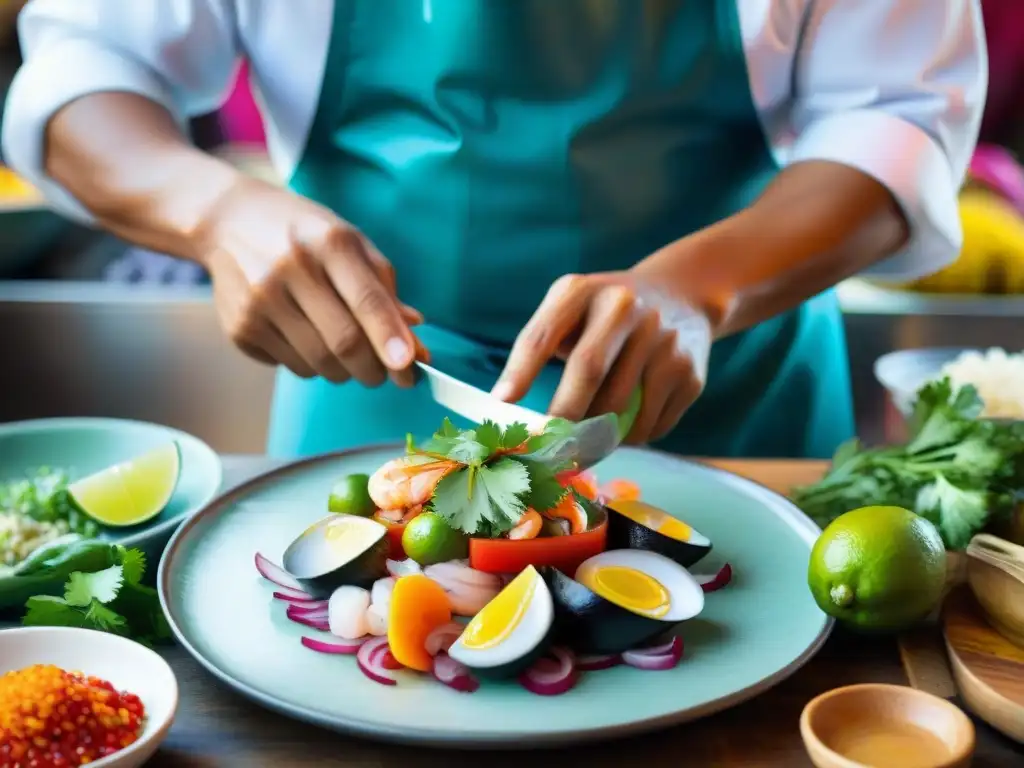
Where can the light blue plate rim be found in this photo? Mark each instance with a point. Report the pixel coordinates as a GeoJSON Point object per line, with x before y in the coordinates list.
{"type": "Point", "coordinates": [406, 733]}
{"type": "Point", "coordinates": [71, 422]}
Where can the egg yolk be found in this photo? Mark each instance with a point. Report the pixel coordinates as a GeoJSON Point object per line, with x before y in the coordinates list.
{"type": "Point", "coordinates": [629, 588]}
{"type": "Point", "coordinates": [653, 518]}
{"type": "Point", "coordinates": [503, 614]}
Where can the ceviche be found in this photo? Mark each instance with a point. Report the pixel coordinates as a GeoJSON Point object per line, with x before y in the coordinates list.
{"type": "Point", "coordinates": [489, 553]}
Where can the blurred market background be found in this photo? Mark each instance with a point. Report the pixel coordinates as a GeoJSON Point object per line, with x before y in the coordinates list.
{"type": "Point", "coordinates": [90, 326]}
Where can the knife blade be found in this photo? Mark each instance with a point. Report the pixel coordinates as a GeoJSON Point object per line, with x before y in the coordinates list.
{"type": "Point", "coordinates": [477, 405]}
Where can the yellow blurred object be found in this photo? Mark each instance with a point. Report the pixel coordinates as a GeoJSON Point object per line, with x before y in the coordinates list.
{"type": "Point", "coordinates": [12, 186]}
{"type": "Point", "coordinates": [992, 258]}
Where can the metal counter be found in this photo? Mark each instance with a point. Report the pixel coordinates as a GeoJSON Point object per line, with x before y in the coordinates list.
{"type": "Point", "coordinates": [157, 354]}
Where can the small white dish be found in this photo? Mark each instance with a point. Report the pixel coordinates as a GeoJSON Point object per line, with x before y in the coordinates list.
{"type": "Point", "coordinates": [907, 370]}
{"type": "Point", "coordinates": [126, 664]}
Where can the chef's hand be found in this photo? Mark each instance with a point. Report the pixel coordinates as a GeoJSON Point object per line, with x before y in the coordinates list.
{"type": "Point", "coordinates": [614, 332]}
{"type": "Point", "coordinates": [295, 285]}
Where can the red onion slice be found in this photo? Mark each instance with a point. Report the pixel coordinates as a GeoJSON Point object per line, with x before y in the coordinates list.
{"type": "Point", "coordinates": [307, 613]}
{"type": "Point", "coordinates": [275, 574]}
{"type": "Point", "coordinates": [400, 568]}
{"type": "Point", "coordinates": [712, 582]}
{"type": "Point", "coordinates": [319, 606]}
{"type": "Point", "coordinates": [453, 674]}
{"type": "Point", "coordinates": [658, 657]}
{"type": "Point", "coordinates": [442, 638]}
{"type": "Point", "coordinates": [383, 657]}
{"type": "Point", "coordinates": [597, 663]}
{"type": "Point", "coordinates": [294, 596]}
{"type": "Point", "coordinates": [345, 647]}
{"type": "Point", "coordinates": [371, 660]}
{"type": "Point", "coordinates": [551, 677]}
{"type": "Point", "coordinates": [320, 624]}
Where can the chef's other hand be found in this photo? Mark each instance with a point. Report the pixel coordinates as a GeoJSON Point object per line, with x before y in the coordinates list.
{"type": "Point", "coordinates": [613, 332]}
{"type": "Point", "coordinates": [295, 285]}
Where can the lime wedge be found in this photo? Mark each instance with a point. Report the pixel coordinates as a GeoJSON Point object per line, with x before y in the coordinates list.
{"type": "Point", "coordinates": [131, 492]}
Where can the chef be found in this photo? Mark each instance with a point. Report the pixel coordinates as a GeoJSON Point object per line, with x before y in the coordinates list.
{"type": "Point", "coordinates": [583, 195]}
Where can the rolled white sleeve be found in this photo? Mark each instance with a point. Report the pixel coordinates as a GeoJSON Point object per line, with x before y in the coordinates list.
{"type": "Point", "coordinates": [181, 54]}
{"type": "Point", "coordinates": [894, 88]}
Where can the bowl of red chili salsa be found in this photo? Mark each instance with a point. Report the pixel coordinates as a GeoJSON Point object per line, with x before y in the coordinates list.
{"type": "Point", "coordinates": [72, 697]}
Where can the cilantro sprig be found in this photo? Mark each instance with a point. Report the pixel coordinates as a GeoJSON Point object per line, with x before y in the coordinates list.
{"type": "Point", "coordinates": [958, 470]}
{"type": "Point", "coordinates": [112, 599]}
{"type": "Point", "coordinates": [499, 473]}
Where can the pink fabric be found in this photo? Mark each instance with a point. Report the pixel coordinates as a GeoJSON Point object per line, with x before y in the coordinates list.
{"type": "Point", "coordinates": [1004, 30]}
{"type": "Point", "coordinates": [239, 116]}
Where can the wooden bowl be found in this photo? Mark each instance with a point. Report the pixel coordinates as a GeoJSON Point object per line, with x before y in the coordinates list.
{"type": "Point", "coordinates": [995, 573]}
{"type": "Point", "coordinates": [883, 726]}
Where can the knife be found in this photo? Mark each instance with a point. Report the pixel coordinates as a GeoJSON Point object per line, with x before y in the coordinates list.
{"type": "Point", "coordinates": [589, 441]}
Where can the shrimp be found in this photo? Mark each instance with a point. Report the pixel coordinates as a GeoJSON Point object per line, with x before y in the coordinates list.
{"type": "Point", "coordinates": [528, 527]}
{"type": "Point", "coordinates": [619, 490]}
{"type": "Point", "coordinates": [407, 481]}
{"type": "Point", "coordinates": [571, 511]}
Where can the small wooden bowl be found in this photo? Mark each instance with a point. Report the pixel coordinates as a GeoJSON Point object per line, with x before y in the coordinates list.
{"type": "Point", "coordinates": [995, 572]}
{"type": "Point", "coordinates": [878, 726]}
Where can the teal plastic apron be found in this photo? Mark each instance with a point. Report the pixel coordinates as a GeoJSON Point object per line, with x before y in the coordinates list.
{"type": "Point", "coordinates": [489, 146]}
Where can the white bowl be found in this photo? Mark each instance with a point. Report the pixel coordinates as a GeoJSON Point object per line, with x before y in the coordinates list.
{"type": "Point", "coordinates": [903, 373]}
{"type": "Point", "coordinates": [126, 664]}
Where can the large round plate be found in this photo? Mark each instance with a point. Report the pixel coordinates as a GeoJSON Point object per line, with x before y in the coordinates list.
{"type": "Point", "coordinates": [751, 635]}
{"type": "Point", "coordinates": [81, 446]}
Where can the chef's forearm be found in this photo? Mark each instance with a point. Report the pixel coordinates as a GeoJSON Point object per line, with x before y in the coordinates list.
{"type": "Point", "coordinates": [816, 224]}
{"type": "Point", "coordinates": [124, 159]}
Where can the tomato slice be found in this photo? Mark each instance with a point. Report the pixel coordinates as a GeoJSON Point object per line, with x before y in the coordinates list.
{"type": "Point", "coordinates": [395, 530]}
{"type": "Point", "coordinates": [562, 552]}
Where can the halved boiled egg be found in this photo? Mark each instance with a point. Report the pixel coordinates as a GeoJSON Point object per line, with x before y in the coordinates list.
{"type": "Point", "coordinates": [621, 599]}
{"type": "Point", "coordinates": [338, 550]}
{"type": "Point", "coordinates": [511, 631]}
{"type": "Point", "coordinates": [636, 525]}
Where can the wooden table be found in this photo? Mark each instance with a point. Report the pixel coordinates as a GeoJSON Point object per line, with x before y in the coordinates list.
{"type": "Point", "coordinates": [216, 727]}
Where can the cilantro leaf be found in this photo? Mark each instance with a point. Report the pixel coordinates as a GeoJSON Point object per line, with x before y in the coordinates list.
{"type": "Point", "coordinates": [488, 498]}
{"type": "Point", "coordinates": [140, 606]}
{"type": "Point", "coordinates": [99, 616]}
{"type": "Point", "coordinates": [942, 416]}
{"type": "Point", "coordinates": [101, 586]}
{"type": "Point", "coordinates": [50, 611]}
{"type": "Point", "coordinates": [958, 513]}
{"type": "Point", "coordinates": [443, 440]}
{"type": "Point", "coordinates": [514, 436]}
{"type": "Point", "coordinates": [489, 436]}
{"type": "Point", "coordinates": [133, 561]}
{"type": "Point", "coordinates": [467, 450]}
{"type": "Point", "coordinates": [545, 490]}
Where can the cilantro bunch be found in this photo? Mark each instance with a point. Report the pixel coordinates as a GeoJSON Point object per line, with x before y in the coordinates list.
{"type": "Point", "coordinates": [957, 470]}
{"type": "Point", "coordinates": [112, 599]}
{"type": "Point", "coordinates": [499, 473]}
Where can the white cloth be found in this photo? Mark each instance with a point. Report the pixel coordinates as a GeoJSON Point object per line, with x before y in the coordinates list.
{"type": "Point", "coordinates": [894, 88]}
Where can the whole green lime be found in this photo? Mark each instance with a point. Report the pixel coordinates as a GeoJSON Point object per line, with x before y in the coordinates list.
{"type": "Point", "coordinates": [878, 569]}
{"type": "Point", "coordinates": [428, 539]}
{"type": "Point", "coordinates": [351, 496]}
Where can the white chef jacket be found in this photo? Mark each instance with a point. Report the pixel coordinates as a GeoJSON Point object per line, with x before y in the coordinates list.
{"type": "Point", "coordinates": [894, 88]}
